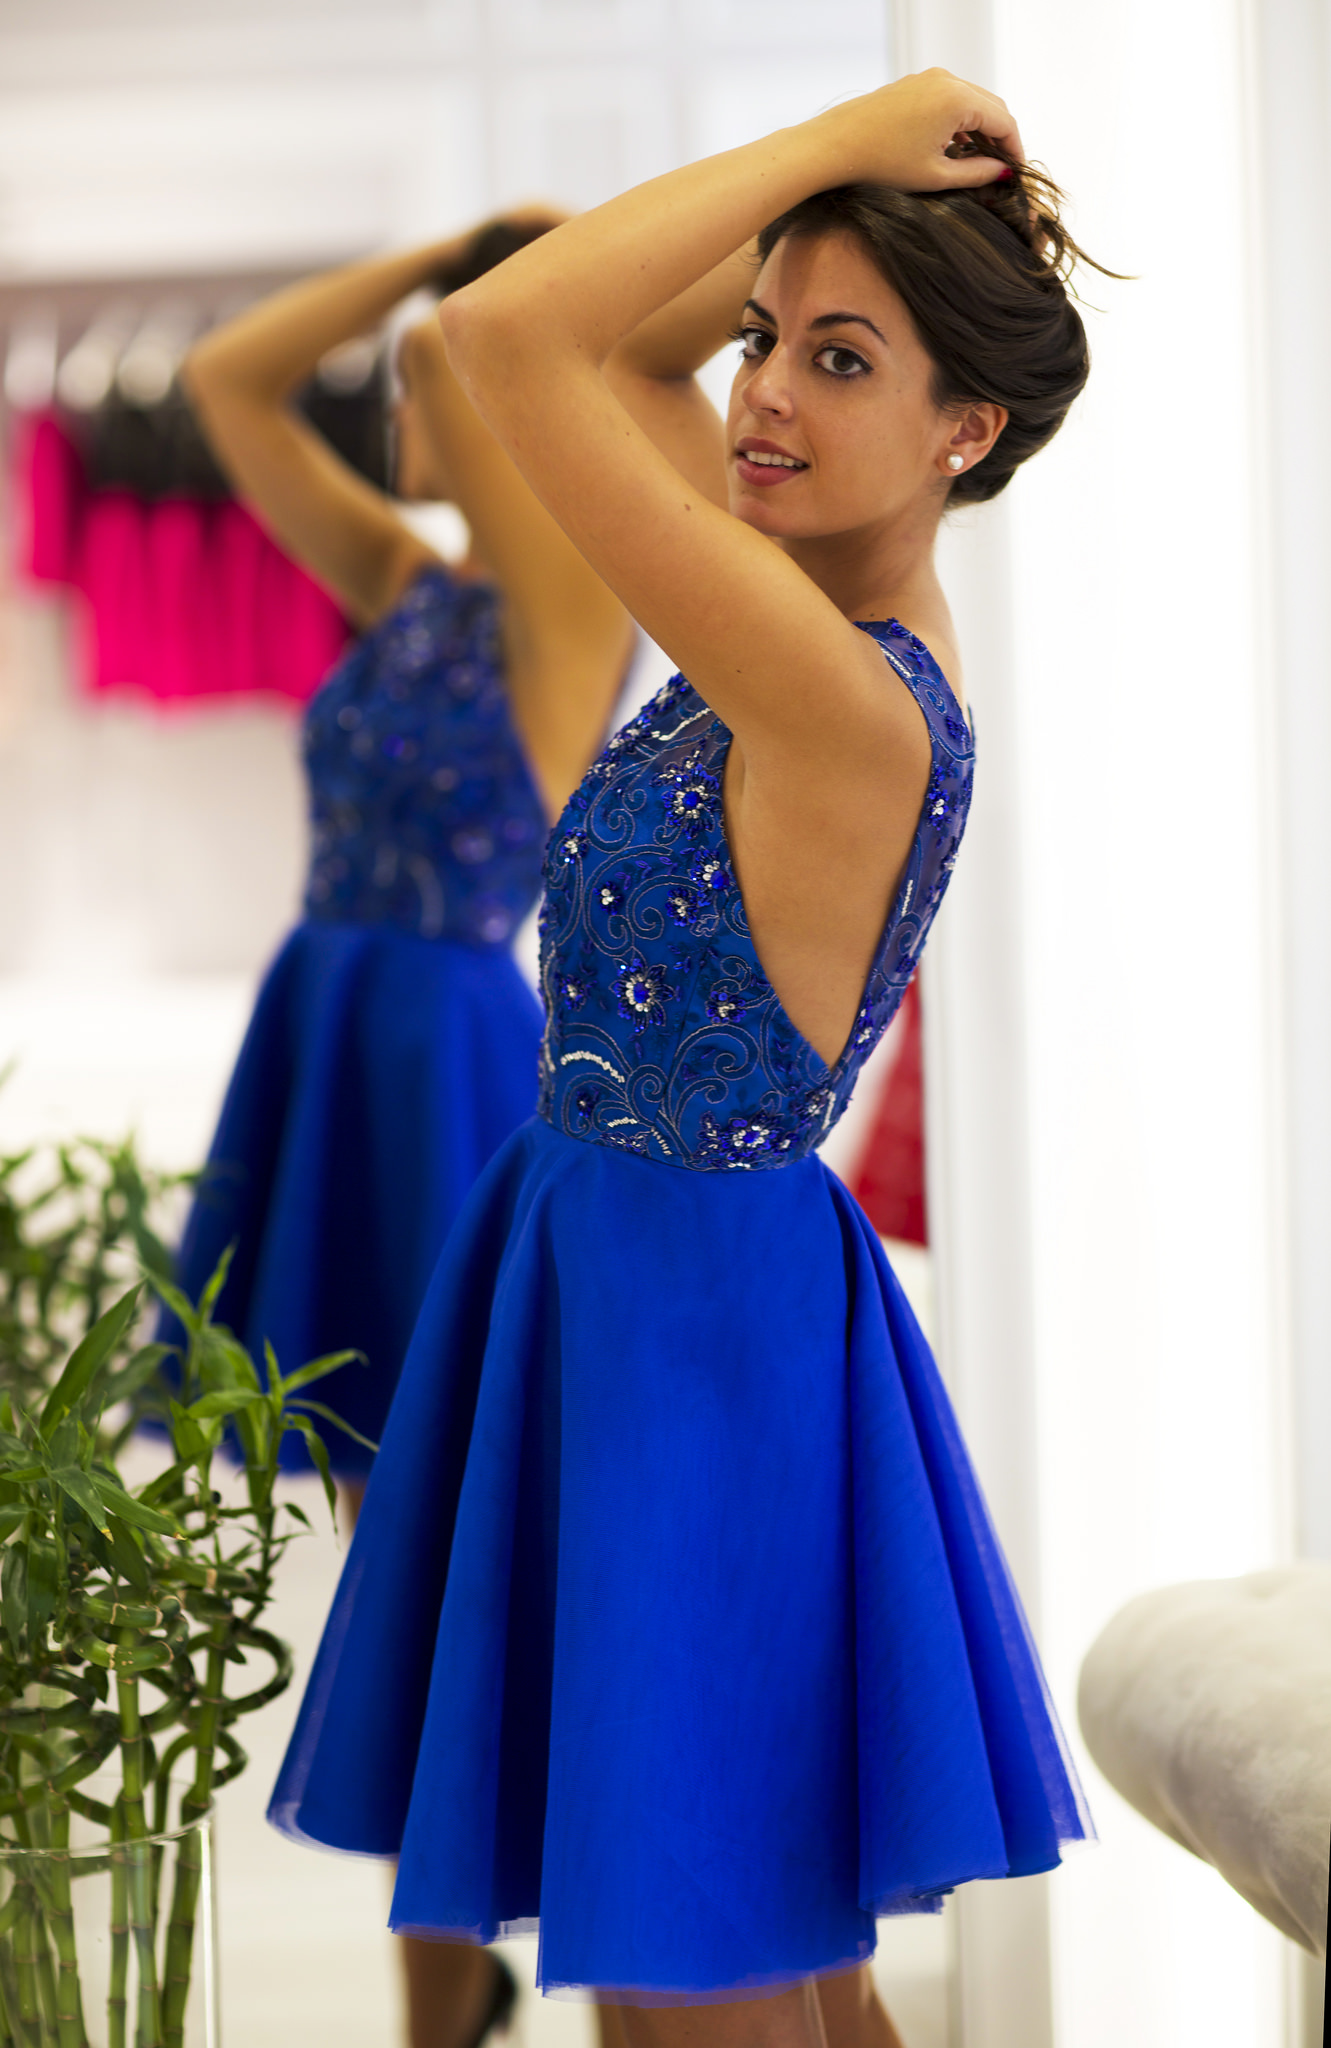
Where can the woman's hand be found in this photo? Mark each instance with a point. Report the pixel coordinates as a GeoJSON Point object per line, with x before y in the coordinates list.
{"type": "Point", "coordinates": [918, 134]}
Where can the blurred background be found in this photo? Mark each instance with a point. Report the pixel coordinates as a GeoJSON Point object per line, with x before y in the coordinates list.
{"type": "Point", "coordinates": [1127, 1004]}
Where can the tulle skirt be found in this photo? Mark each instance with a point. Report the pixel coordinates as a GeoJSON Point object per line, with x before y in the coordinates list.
{"type": "Point", "coordinates": [379, 1074]}
{"type": "Point", "coordinates": [674, 1622]}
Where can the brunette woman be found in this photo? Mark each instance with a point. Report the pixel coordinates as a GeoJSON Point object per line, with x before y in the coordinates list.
{"type": "Point", "coordinates": [675, 1620]}
{"type": "Point", "coordinates": [394, 1043]}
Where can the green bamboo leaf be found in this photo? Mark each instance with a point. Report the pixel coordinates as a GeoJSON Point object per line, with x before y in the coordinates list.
{"type": "Point", "coordinates": [274, 1373]}
{"type": "Point", "coordinates": [63, 1448]}
{"type": "Point", "coordinates": [318, 1408]}
{"type": "Point", "coordinates": [166, 1482]}
{"type": "Point", "coordinates": [154, 1257]}
{"type": "Point", "coordinates": [299, 1515]}
{"type": "Point", "coordinates": [14, 1593]}
{"type": "Point", "coordinates": [216, 1282]}
{"type": "Point", "coordinates": [223, 1361]}
{"type": "Point", "coordinates": [319, 1368]}
{"type": "Point", "coordinates": [10, 1519]}
{"type": "Point", "coordinates": [136, 1512]}
{"type": "Point", "coordinates": [254, 1429]}
{"type": "Point", "coordinates": [224, 1402]}
{"type": "Point", "coordinates": [142, 1367]}
{"type": "Point", "coordinates": [318, 1451]}
{"type": "Point", "coordinates": [180, 1305]}
{"type": "Point", "coordinates": [73, 1481]}
{"type": "Point", "coordinates": [43, 1585]}
{"type": "Point", "coordinates": [126, 1549]}
{"type": "Point", "coordinates": [88, 1358]}
{"type": "Point", "coordinates": [190, 1439]}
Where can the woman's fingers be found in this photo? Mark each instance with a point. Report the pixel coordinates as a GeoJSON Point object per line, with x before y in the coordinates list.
{"type": "Point", "coordinates": [936, 131]}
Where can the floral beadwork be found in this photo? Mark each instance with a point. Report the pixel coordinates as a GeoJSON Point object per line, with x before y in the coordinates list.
{"type": "Point", "coordinates": [423, 808]}
{"type": "Point", "coordinates": [643, 993]}
{"type": "Point", "coordinates": [665, 1037]}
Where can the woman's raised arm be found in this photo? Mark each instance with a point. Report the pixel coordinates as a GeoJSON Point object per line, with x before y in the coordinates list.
{"type": "Point", "coordinates": [241, 378]}
{"type": "Point", "coordinates": [653, 371]}
{"type": "Point", "coordinates": [531, 342]}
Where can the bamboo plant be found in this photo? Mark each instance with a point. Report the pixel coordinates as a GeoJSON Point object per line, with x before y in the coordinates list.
{"type": "Point", "coordinates": [131, 1641]}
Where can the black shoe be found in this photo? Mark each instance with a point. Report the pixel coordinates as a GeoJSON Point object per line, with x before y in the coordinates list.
{"type": "Point", "coordinates": [499, 2012]}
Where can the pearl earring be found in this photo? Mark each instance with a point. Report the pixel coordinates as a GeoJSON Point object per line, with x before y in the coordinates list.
{"type": "Point", "coordinates": [956, 461]}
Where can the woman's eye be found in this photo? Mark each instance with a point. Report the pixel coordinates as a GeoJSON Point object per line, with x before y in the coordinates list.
{"type": "Point", "coordinates": [841, 362]}
{"type": "Point", "coordinates": [755, 342]}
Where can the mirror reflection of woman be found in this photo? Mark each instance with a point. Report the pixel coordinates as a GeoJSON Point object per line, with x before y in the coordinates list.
{"type": "Point", "coordinates": [394, 1042]}
{"type": "Point", "coordinates": [725, 1659]}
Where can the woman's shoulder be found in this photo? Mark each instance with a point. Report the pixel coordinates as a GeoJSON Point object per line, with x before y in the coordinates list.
{"type": "Point", "coordinates": [911, 659]}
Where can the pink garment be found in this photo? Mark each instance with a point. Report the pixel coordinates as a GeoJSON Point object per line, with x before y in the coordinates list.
{"type": "Point", "coordinates": [113, 577]}
{"type": "Point", "coordinates": [183, 599]}
{"type": "Point", "coordinates": [238, 545]}
{"type": "Point", "coordinates": [50, 497]}
{"type": "Point", "coordinates": [890, 1183]}
{"type": "Point", "coordinates": [180, 653]}
{"type": "Point", "coordinates": [301, 633]}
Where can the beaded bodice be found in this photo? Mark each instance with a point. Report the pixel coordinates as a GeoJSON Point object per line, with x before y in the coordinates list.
{"type": "Point", "coordinates": [664, 1034]}
{"type": "Point", "coordinates": [423, 807]}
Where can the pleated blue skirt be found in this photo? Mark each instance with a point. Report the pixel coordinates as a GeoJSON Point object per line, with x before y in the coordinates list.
{"type": "Point", "coordinates": [674, 1622]}
{"type": "Point", "coordinates": [379, 1074]}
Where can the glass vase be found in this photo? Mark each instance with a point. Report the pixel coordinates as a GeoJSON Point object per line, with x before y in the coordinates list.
{"type": "Point", "coordinates": [108, 1934]}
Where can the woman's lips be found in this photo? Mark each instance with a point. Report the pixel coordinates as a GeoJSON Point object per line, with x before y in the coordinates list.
{"type": "Point", "coordinates": [764, 474]}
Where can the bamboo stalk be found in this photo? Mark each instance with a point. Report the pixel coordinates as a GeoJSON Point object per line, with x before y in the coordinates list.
{"type": "Point", "coordinates": [32, 2032]}
{"type": "Point", "coordinates": [46, 1986]}
{"type": "Point", "coordinates": [189, 1852]}
{"type": "Point", "coordinates": [9, 2016]}
{"type": "Point", "coordinates": [38, 1832]}
{"type": "Point", "coordinates": [138, 1856]}
{"type": "Point", "coordinates": [70, 2030]}
{"type": "Point", "coordinates": [31, 1830]}
{"type": "Point", "coordinates": [9, 2034]}
{"type": "Point", "coordinates": [117, 2000]}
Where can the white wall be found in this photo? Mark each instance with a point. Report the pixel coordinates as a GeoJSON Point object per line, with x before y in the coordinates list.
{"type": "Point", "coordinates": [1291, 93]}
{"type": "Point", "coordinates": [1112, 1034]}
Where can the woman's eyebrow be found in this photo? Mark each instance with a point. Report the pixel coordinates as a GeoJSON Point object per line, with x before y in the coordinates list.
{"type": "Point", "coordinates": [823, 320]}
{"type": "Point", "coordinates": [842, 319]}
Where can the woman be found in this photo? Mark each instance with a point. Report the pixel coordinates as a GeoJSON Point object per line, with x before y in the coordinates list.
{"type": "Point", "coordinates": [689, 1632]}
{"type": "Point", "coordinates": [394, 1043]}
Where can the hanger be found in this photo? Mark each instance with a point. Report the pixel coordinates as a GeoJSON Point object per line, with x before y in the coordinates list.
{"type": "Point", "coordinates": [30, 361]}
{"type": "Point", "coordinates": [148, 365]}
{"type": "Point", "coordinates": [85, 377]}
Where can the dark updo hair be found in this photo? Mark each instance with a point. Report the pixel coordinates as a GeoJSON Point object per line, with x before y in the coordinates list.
{"type": "Point", "coordinates": [983, 272]}
{"type": "Point", "coordinates": [490, 246]}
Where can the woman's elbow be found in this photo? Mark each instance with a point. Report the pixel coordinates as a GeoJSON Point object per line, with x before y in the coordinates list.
{"type": "Point", "coordinates": [484, 340]}
{"type": "Point", "coordinates": [465, 326]}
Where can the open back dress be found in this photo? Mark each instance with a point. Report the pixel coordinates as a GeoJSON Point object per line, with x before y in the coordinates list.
{"type": "Point", "coordinates": [675, 1623]}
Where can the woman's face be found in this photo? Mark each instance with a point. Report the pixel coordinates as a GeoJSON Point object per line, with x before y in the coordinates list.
{"type": "Point", "coordinates": [418, 469]}
{"type": "Point", "coordinates": [834, 379]}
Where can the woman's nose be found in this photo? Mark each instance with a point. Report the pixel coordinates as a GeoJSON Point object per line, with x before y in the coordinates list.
{"type": "Point", "coordinates": [768, 389]}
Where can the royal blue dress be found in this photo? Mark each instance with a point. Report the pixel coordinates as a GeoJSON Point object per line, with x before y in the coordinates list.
{"type": "Point", "coordinates": [674, 1621]}
{"type": "Point", "coordinates": [394, 1043]}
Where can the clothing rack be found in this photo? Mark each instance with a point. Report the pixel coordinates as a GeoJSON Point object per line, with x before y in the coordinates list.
{"type": "Point", "coordinates": [178, 592]}
{"type": "Point", "coordinates": [105, 357]}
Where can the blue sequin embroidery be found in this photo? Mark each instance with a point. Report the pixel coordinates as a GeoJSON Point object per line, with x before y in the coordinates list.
{"type": "Point", "coordinates": [664, 1035]}
{"type": "Point", "coordinates": [424, 811]}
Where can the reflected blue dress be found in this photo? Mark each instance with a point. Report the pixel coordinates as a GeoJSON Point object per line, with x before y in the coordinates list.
{"type": "Point", "coordinates": [394, 1043]}
{"type": "Point", "coordinates": [675, 1623]}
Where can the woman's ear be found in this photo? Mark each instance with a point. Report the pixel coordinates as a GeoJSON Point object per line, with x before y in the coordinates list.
{"type": "Point", "coordinates": [973, 433]}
